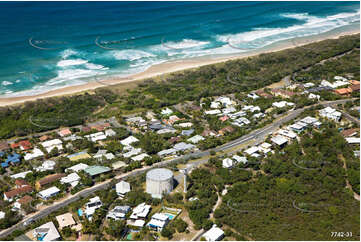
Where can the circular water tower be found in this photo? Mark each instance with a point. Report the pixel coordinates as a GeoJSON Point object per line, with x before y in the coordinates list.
{"type": "Point", "coordinates": [159, 181]}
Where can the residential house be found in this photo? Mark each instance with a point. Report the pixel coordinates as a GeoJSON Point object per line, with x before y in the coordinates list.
{"type": "Point", "coordinates": [158, 221]}
{"type": "Point", "coordinates": [227, 129]}
{"type": "Point", "coordinates": [195, 139]}
{"type": "Point", "coordinates": [282, 104]}
{"type": "Point", "coordinates": [166, 111]}
{"type": "Point", "coordinates": [214, 234]}
{"type": "Point", "coordinates": [330, 113]}
{"type": "Point", "coordinates": [140, 157]}
{"type": "Point", "coordinates": [46, 232]}
{"type": "Point", "coordinates": [77, 167]}
{"type": "Point", "coordinates": [51, 144]}
{"type": "Point", "coordinates": [96, 136]}
{"type": "Point", "coordinates": [187, 132]}
{"type": "Point", "coordinates": [21, 183]}
{"type": "Point", "coordinates": [96, 170]}
{"type": "Point", "coordinates": [279, 140]}
{"type": "Point", "coordinates": [253, 96]}
{"type": "Point", "coordinates": [349, 132]}
{"type": "Point", "coordinates": [118, 212]}
{"type": "Point", "coordinates": [36, 153]}
{"type": "Point", "coordinates": [122, 188]}
{"type": "Point", "coordinates": [65, 220]}
{"type": "Point", "coordinates": [167, 152]}
{"type": "Point", "coordinates": [12, 194]}
{"type": "Point", "coordinates": [73, 179]}
{"type": "Point", "coordinates": [47, 165]}
{"type": "Point", "coordinates": [49, 193]}
{"type": "Point", "coordinates": [128, 141]}
{"type": "Point", "coordinates": [64, 132]}
{"type": "Point", "coordinates": [183, 146]}
{"type": "Point", "coordinates": [252, 151]}
{"type": "Point", "coordinates": [79, 156]}
{"type": "Point", "coordinates": [48, 179]}
{"type": "Point", "coordinates": [90, 207]}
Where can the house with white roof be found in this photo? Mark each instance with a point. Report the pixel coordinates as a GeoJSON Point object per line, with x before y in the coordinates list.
{"type": "Point", "coordinates": [287, 133]}
{"type": "Point", "coordinates": [122, 188]}
{"type": "Point", "coordinates": [96, 136]}
{"type": "Point", "coordinates": [185, 125]}
{"type": "Point", "coordinates": [118, 212]}
{"type": "Point", "coordinates": [103, 154]}
{"type": "Point", "coordinates": [72, 179]}
{"type": "Point", "coordinates": [251, 108]}
{"type": "Point", "coordinates": [240, 159]}
{"type": "Point", "coordinates": [254, 96]}
{"type": "Point", "coordinates": [110, 133]}
{"type": "Point", "coordinates": [214, 234]}
{"type": "Point", "coordinates": [183, 146]}
{"type": "Point", "coordinates": [279, 140]}
{"type": "Point", "coordinates": [265, 147]}
{"type": "Point", "coordinates": [195, 139]}
{"type": "Point", "coordinates": [252, 151]}
{"type": "Point", "coordinates": [330, 113]}
{"type": "Point", "coordinates": [166, 130]}
{"type": "Point", "coordinates": [2, 215]}
{"type": "Point", "coordinates": [140, 212]}
{"type": "Point", "coordinates": [47, 165]}
{"type": "Point", "coordinates": [309, 84]}
{"type": "Point", "coordinates": [229, 109]}
{"type": "Point", "coordinates": [65, 220]}
{"type": "Point", "coordinates": [132, 152]}
{"type": "Point", "coordinates": [167, 152]}
{"type": "Point", "coordinates": [77, 167]}
{"type": "Point", "coordinates": [48, 193]}
{"type": "Point", "coordinates": [227, 163]}
{"type": "Point", "coordinates": [258, 115]}
{"type": "Point", "coordinates": [237, 114]}
{"type": "Point", "coordinates": [20, 175]}
{"type": "Point", "coordinates": [213, 112]}
{"type": "Point", "coordinates": [90, 207]}
{"type": "Point", "coordinates": [166, 111]}
{"type": "Point", "coordinates": [353, 140]}
{"type": "Point", "coordinates": [51, 144]}
{"type": "Point", "coordinates": [140, 157]}
{"type": "Point", "coordinates": [215, 105]}
{"type": "Point", "coordinates": [314, 96]}
{"type": "Point", "coordinates": [158, 221]}
{"type": "Point", "coordinates": [282, 104]}
{"type": "Point", "coordinates": [225, 101]}
{"type": "Point", "coordinates": [128, 141]}
{"type": "Point", "coordinates": [36, 153]}
{"type": "Point", "coordinates": [46, 232]}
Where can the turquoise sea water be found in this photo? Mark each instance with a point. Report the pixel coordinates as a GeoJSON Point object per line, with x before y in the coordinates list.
{"type": "Point", "coordinates": [48, 45]}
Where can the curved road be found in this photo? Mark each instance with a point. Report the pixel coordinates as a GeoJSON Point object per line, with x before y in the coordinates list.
{"type": "Point", "coordinates": [260, 133]}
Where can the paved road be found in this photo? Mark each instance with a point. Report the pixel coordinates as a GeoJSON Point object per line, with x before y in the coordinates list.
{"type": "Point", "coordinates": [257, 134]}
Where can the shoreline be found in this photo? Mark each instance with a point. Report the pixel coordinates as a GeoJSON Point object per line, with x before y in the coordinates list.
{"type": "Point", "coordinates": [174, 66]}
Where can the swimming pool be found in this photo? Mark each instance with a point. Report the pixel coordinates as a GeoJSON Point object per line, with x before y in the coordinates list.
{"type": "Point", "coordinates": [80, 212]}
{"type": "Point", "coordinates": [170, 216]}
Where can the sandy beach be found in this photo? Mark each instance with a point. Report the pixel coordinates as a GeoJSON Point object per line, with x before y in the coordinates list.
{"type": "Point", "coordinates": [173, 66]}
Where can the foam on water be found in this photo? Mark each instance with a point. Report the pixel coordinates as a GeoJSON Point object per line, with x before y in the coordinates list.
{"type": "Point", "coordinates": [6, 83]}
{"type": "Point", "coordinates": [130, 54]}
{"type": "Point", "coordinates": [75, 62]}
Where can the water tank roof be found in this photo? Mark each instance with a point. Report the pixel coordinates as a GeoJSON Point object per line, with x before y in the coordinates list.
{"type": "Point", "coordinates": [159, 174]}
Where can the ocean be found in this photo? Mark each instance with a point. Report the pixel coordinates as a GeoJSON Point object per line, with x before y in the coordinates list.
{"type": "Point", "coordinates": [49, 45]}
